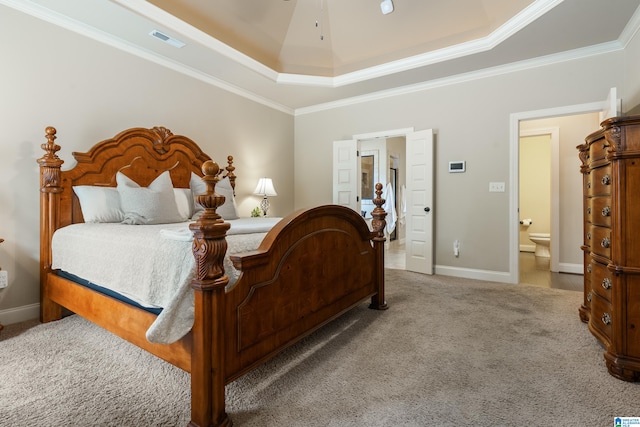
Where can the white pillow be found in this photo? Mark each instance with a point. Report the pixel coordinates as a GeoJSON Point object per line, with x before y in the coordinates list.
{"type": "Point", "coordinates": [184, 201]}
{"type": "Point", "coordinates": [99, 204]}
{"type": "Point", "coordinates": [228, 210]}
{"type": "Point", "coordinates": [155, 204]}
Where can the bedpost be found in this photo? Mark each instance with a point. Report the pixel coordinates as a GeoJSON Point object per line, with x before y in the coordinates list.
{"type": "Point", "coordinates": [50, 189]}
{"type": "Point", "coordinates": [379, 223]}
{"type": "Point", "coordinates": [232, 176]}
{"type": "Point", "coordinates": [207, 357]}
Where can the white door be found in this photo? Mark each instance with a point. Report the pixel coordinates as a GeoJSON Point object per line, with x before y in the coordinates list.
{"type": "Point", "coordinates": [345, 174]}
{"type": "Point", "coordinates": [419, 199]}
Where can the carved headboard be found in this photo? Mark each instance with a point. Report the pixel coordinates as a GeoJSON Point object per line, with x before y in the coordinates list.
{"type": "Point", "coordinates": [141, 154]}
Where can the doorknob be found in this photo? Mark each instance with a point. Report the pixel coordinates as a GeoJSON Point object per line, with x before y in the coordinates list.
{"type": "Point", "coordinates": [427, 209]}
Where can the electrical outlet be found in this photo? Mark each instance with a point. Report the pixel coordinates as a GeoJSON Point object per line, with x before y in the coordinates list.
{"type": "Point", "coordinates": [496, 187]}
{"type": "Point", "coordinates": [4, 278]}
{"type": "Point", "coordinates": [456, 248]}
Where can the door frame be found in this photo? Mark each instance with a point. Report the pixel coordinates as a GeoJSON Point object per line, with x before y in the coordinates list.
{"type": "Point", "coordinates": [514, 170]}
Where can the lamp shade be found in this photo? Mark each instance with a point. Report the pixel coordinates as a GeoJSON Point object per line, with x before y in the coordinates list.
{"type": "Point", "coordinates": [265, 188]}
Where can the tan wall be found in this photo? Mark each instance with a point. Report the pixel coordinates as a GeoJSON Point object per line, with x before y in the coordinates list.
{"type": "Point", "coordinates": [472, 120]}
{"type": "Point", "coordinates": [89, 92]}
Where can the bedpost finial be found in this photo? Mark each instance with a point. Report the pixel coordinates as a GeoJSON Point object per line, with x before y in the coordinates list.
{"type": "Point", "coordinates": [211, 200]}
{"type": "Point", "coordinates": [50, 146]}
{"type": "Point", "coordinates": [50, 163]}
{"type": "Point", "coordinates": [379, 223]}
{"type": "Point", "coordinates": [232, 176]}
{"type": "Point", "coordinates": [210, 167]}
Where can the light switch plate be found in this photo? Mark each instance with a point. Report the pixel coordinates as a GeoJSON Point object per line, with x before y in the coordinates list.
{"type": "Point", "coordinates": [496, 187]}
{"type": "Point", "coordinates": [457, 166]}
{"type": "Point", "coordinates": [4, 278]}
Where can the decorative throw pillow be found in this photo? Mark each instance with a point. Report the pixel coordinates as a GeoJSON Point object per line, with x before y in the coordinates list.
{"type": "Point", "coordinates": [99, 204]}
{"type": "Point", "coordinates": [155, 204]}
{"type": "Point", "coordinates": [228, 210]}
{"type": "Point", "coordinates": [184, 201]}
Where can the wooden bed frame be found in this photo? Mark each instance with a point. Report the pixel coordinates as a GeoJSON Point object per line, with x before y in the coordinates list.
{"type": "Point", "coordinates": [312, 266]}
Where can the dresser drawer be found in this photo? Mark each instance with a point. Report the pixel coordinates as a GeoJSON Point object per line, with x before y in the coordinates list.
{"type": "Point", "coordinates": [601, 315]}
{"type": "Point", "coordinates": [601, 241]}
{"type": "Point", "coordinates": [599, 211]}
{"type": "Point", "coordinates": [599, 181]}
{"type": "Point", "coordinates": [598, 150]}
{"type": "Point", "coordinates": [602, 280]}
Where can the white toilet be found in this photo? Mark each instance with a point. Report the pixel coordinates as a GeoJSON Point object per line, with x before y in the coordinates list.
{"type": "Point", "coordinates": [542, 241]}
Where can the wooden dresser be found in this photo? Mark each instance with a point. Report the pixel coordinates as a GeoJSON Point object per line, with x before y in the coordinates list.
{"type": "Point", "coordinates": [611, 200]}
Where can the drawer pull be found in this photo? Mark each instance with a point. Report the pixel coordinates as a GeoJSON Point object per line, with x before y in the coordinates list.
{"type": "Point", "coordinates": [589, 268]}
{"type": "Point", "coordinates": [606, 180]}
{"type": "Point", "coordinates": [606, 283]}
{"type": "Point", "coordinates": [589, 296]}
{"type": "Point", "coordinates": [606, 318]}
{"type": "Point", "coordinates": [605, 242]}
{"type": "Point", "coordinates": [606, 211]}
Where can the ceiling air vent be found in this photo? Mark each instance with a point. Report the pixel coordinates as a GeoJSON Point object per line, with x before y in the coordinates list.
{"type": "Point", "coordinates": [165, 38]}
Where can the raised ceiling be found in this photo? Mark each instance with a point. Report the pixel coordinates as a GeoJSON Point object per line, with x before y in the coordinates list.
{"type": "Point", "coordinates": [335, 37]}
{"type": "Point", "coordinates": [271, 50]}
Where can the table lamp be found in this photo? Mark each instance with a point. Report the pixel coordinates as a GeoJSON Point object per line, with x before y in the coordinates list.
{"type": "Point", "coordinates": [265, 189]}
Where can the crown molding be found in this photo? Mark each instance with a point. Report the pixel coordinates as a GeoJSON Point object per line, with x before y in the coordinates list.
{"type": "Point", "coordinates": [470, 76]}
{"type": "Point", "coordinates": [630, 29]}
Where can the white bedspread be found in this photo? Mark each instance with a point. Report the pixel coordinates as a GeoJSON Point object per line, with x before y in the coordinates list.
{"type": "Point", "coordinates": [150, 264]}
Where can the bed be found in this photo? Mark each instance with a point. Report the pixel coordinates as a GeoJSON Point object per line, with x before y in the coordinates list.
{"type": "Point", "coordinates": [311, 267]}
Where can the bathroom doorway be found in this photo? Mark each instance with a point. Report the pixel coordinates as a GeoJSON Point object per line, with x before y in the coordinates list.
{"type": "Point", "coordinates": [569, 235]}
{"type": "Point", "coordinates": [538, 186]}
{"type": "Point", "coordinates": [550, 197]}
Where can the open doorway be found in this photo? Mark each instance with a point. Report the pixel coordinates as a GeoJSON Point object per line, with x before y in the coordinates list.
{"type": "Point", "coordinates": [418, 156]}
{"type": "Point", "coordinates": [572, 125]}
{"type": "Point", "coordinates": [383, 159]}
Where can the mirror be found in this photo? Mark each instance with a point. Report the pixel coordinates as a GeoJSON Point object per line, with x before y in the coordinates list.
{"type": "Point", "coordinates": [367, 177]}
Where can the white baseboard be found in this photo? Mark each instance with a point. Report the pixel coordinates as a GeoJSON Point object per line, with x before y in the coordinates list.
{"type": "Point", "coordinates": [495, 276]}
{"type": "Point", "coordinates": [471, 273]}
{"type": "Point", "coordinates": [19, 314]}
{"type": "Point", "coordinates": [564, 267]}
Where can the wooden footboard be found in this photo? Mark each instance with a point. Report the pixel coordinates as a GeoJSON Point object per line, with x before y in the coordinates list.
{"type": "Point", "coordinates": [313, 266]}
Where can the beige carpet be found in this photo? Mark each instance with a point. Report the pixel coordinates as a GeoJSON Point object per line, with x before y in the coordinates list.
{"type": "Point", "coordinates": [448, 352]}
